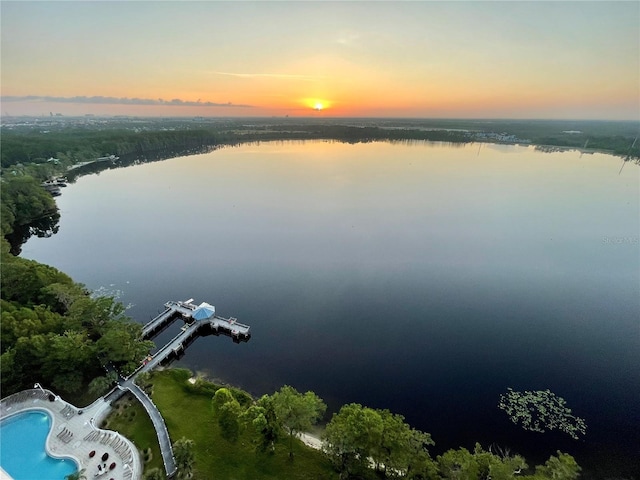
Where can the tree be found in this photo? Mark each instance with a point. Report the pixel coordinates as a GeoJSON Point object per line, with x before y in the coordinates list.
{"type": "Point", "coordinates": [120, 343]}
{"type": "Point", "coordinates": [24, 281]}
{"type": "Point", "coordinates": [100, 385]}
{"type": "Point", "coordinates": [461, 464]}
{"type": "Point", "coordinates": [154, 474]}
{"type": "Point", "coordinates": [352, 436]}
{"type": "Point", "coordinates": [228, 411]}
{"type": "Point", "coordinates": [420, 466]}
{"type": "Point", "coordinates": [61, 296]}
{"type": "Point", "coordinates": [399, 444]}
{"type": "Point", "coordinates": [18, 322]}
{"type": "Point", "coordinates": [262, 417]}
{"type": "Point", "coordinates": [77, 475]}
{"type": "Point", "coordinates": [222, 396]}
{"type": "Point", "coordinates": [498, 466]}
{"type": "Point", "coordinates": [229, 420]}
{"type": "Point", "coordinates": [23, 200]}
{"type": "Point", "coordinates": [22, 363]}
{"type": "Point", "coordinates": [185, 459]}
{"type": "Point", "coordinates": [562, 467]}
{"type": "Point", "coordinates": [95, 314]}
{"type": "Point", "coordinates": [66, 360]}
{"type": "Point", "coordinates": [143, 380]}
{"type": "Point", "coordinates": [458, 465]}
{"type": "Point", "coordinates": [296, 411]}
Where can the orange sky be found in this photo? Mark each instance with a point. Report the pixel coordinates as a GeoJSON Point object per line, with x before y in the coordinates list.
{"type": "Point", "coordinates": [389, 59]}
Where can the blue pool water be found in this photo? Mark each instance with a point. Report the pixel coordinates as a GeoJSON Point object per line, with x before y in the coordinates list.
{"type": "Point", "coordinates": [22, 451]}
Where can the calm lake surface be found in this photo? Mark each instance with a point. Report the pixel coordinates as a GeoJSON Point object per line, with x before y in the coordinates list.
{"type": "Point", "coordinates": [422, 278]}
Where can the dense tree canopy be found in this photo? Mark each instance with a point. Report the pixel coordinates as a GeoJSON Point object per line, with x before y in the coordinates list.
{"type": "Point", "coordinates": [54, 333]}
{"type": "Point", "coordinates": [461, 464]}
{"type": "Point", "coordinates": [23, 200]}
{"type": "Point", "coordinates": [562, 467]}
{"type": "Point", "coordinates": [75, 145]}
{"type": "Point", "coordinates": [358, 437]}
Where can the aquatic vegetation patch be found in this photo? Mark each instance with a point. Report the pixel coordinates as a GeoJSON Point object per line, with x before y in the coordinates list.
{"type": "Point", "coordinates": [541, 410]}
{"type": "Point", "coordinates": [112, 292]}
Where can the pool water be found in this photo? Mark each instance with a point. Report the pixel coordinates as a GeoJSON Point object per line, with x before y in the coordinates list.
{"type": "Point", "coordinates": [22, 449]}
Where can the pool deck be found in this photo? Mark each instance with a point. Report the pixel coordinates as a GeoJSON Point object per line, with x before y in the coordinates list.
{"type": "Point", "coordinates": [74, 435]}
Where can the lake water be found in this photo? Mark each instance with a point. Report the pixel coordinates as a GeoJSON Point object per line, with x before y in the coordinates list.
{"type": "Point", "coordinates": [422, 278]}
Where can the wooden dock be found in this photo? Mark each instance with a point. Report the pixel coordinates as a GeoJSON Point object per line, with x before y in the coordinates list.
{"type": "Point", "coordinates": [184, 310]}
{"type": "Point", "coordinates": [193, 328]}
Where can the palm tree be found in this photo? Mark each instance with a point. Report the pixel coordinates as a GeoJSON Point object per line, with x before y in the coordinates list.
{"type": "Point", "coordinates": [154, 474]}
{"type": "Point", "coordinates": [185, 460]}
{"type": "Point", "coordinates": [77, 475]}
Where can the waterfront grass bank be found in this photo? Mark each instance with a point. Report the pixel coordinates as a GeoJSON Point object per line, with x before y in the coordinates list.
{"type": "Point", "coordinates": [186, 408]}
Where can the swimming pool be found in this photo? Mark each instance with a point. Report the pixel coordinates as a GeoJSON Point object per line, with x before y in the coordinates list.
{"type": "Point", "coordinates": [22, 451]}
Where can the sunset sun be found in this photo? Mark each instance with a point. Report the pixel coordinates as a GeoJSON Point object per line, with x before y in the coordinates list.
{"type": "Point", "coordinates": [317, 104]}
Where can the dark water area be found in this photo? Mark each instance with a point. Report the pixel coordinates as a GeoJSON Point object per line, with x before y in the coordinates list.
{"type": "Point", "coordinates": [425, 278]}
{"type": "Point", "coordinates": [43, 227]}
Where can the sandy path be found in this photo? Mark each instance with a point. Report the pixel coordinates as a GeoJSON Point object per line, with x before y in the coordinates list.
{"type": "Point", "coordinates": [310, 440]}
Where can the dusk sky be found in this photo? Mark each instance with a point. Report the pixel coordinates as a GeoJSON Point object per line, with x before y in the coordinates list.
{"type": "Point", "coordinates": [575, 60]}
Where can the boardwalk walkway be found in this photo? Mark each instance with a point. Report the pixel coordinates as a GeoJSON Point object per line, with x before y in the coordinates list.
{"type": "Point", "coordinates": [158, 423]}
{"type": "Point", "coordinates": [172, 311]}
{"type": "Point", "coordinates": [191, 329]}
{"type": "Point", "coordinates": [189, 332]}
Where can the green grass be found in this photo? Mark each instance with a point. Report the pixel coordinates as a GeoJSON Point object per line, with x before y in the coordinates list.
{"type": "Point", "coordinates": [186, 409]}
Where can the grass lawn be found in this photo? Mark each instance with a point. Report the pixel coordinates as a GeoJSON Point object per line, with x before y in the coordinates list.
{"type": "Point", "coordinates": [187, 412]}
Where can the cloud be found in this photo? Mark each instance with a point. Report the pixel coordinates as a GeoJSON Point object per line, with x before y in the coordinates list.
{"type": "Point", "coordinates": [349, 38]}
{"type": "Point", "coordinates": [285, 76]}
{"type": "Point", "coordinates": [176, 102]}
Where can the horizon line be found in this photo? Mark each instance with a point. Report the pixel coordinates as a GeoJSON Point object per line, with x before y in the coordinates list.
{"type": "Point", "coordinates": [59, 116]}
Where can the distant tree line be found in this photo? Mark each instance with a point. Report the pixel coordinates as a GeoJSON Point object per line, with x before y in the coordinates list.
{"type": "Point", "coordinates": [80, 145]}
{"type": "Point", "coordinates": [77, 145]}
{"type": "Point", "coordinates": [616, 144]}
{"type": "Point", "coordinates": [41, 154]}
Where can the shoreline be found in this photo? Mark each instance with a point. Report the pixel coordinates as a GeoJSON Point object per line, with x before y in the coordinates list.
{"type": "Point", "coordinates": [310, 440]}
